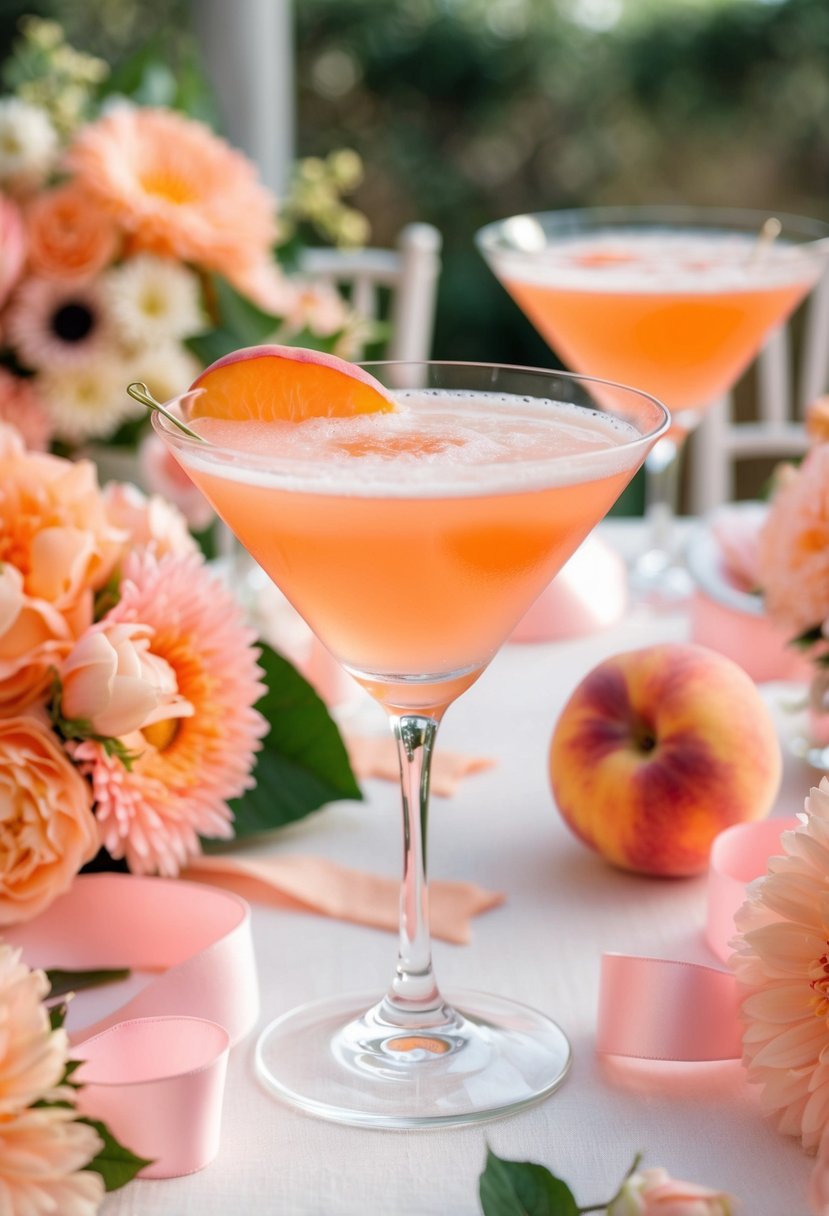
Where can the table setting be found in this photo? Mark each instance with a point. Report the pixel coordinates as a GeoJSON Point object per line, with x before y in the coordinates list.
{"type": "Point", "coordinates": [606, 988]}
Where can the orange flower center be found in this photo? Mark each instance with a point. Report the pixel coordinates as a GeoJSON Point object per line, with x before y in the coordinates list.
{"type": "Point", "coordinates": [162, 734]}
{"type": "Point", "coordinates": [169, 186]}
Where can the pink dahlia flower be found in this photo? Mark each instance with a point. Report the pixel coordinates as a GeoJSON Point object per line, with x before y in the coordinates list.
{"type": "Point", "coordinates": [794, 546]}
{"type": "Point", "coordinates": [12, 245]}
{"type": "Point", "coordinates": [187, 769]}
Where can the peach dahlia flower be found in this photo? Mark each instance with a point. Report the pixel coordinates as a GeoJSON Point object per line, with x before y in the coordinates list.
{"type": "Point", "coordinates": [176, 188]}
{"type": "Point", "coordinates": [781, 964]}
{"type": "Point", "coordinates": [187, 769]}
{"type": "Point", "coordinates": [47, 829]}
{"type": "Point", "coordinates": [794, 546]}
{"type": "Point", "coordinates": [43, 1151]}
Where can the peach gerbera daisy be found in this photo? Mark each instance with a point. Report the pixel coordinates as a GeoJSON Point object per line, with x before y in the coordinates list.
{"type": "Point", "coordinates": [176, 188]}
{"type": "Point", "coordinates": [794, 546]}
{"type": "Point", "coordinates": [781, 963]}
{"type": "Point", "coordinates": [186, 769]}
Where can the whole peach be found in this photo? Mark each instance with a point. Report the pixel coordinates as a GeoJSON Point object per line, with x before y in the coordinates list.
{"type": "Point", "coordinates": [657, 751]}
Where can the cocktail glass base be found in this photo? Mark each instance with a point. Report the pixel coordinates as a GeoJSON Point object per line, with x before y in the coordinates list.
{"type": "Point", "coordinates": [660, 580]}
{"type": "Point", "coordinates": [481, 1057]}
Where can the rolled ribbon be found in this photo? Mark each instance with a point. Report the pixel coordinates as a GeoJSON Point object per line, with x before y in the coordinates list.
{"type": "Point", "coordinates": [154, 1069]}
{"type": "Point", "coordinates": [664, 1009]}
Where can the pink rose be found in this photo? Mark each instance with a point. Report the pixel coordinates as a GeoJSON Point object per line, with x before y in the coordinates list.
{"type": "Point", "coordinates": [113, 681]}
{"type": "Point", "coordinates": [654, 1193]}
{"type": "Point", "coordinates": [34, 637]}
{"type": "Point", "coordinates": [49, 830]}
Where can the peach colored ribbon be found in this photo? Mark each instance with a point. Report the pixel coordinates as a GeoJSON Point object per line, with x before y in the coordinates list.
{"type": "Point", "coordinates": [154, 1069]}
{"type": "Point", "coordinates": [314, 884]}
{"type": "Point", "coordinates": [376, 756]}
{"type": "Point", "coordinates": [663, 1009]}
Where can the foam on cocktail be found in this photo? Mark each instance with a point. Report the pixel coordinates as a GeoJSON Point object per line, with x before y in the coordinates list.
{"type": "Point", "coordinates": [433, 442]}
{"type": "Point", "coordinates": [631, 261]}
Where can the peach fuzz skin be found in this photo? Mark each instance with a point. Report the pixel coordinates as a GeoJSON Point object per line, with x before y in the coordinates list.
{"type": "Point", "coordinates": [287, 382]}
{"type": "Point", "coordinates": [657, 751]}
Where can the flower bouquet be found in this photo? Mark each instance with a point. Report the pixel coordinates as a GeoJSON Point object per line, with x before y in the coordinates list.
{"type": "Point", "coordinates": [135, 244]}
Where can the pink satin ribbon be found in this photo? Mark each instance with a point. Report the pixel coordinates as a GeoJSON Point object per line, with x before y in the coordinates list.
{"type": "Point", "coordinates": [663, 1009]}
{"type": "Point", "coordinates": [154, 1069]}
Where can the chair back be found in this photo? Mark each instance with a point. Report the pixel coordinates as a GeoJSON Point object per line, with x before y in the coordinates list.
{"type": "Point", "coordinates": [409, 274]}
{"type": "Point", "coordinates": [788, 380]}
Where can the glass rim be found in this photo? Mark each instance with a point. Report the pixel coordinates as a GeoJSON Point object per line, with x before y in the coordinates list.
{"type": "Point", "coordinates": [170, 433]}
{"type": "Point", "coordinates": [799, 233]}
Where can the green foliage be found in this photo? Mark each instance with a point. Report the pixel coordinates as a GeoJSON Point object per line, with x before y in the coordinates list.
{"type": "Point", "coordinates": [116, 1164]}
{"type": "Point", "coordinates": [522, 1188]}
{"type": "Point", "coordinates": [303, 763]}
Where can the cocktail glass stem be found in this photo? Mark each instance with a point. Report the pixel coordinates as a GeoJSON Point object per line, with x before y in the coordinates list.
{"type": "Point", "coordinates": [657, 574]}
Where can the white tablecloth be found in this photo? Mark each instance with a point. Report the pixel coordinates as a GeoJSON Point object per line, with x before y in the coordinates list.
{"type": "Point", "coordinates": [564, 907]}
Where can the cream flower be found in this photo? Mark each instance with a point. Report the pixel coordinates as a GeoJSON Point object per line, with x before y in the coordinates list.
{"type": "Point", "coordinates": [153, 300]}
{"type": "Point", "coordinates": [47, 829]}
{"type": "Point", "coordinates": [112, 680]}
{"type": "Point", "coordinates": [794, 546]}
{"type": "Point", "coordinates": [43, 1153]}
{"type": "Point", "coordinates": [28, 144]}
{"type": "Point", "coordinates": [781, 963]}
{"type": "Point", "coordinates": [166, 368]}
{"type": "Point", "coordinates": [87, 401]}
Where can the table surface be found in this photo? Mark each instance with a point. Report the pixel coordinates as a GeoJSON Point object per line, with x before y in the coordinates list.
{"type": "Point", "coordinates": [564, 907]}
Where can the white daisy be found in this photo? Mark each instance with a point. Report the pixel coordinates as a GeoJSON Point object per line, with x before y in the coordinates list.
{"type": "Point", "coordinates": [88, 401]}
{"type": "Point", "coordinates": [167, 369]}
{"type": "Point", "coordinates": [28, 144]}
{"type": "Point", "coordinates": [153, 299]}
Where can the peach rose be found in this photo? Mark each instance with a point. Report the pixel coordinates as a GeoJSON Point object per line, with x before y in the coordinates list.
{"type": "Point", "coordinates": [53, 525]}
{"type": "Point", "coordinates": [113, 681]}
{"type": "Point", "coordinates": [48, 829]}
{"type": "Point", "coordinates": [70, 236]}
{"type": "Point", "coordinates": [654, 1193]}
{"type": "Point", "coordinates": [34, 637]}
{"type": "Point", "coordinates": [151, 523]}
{"type": "Point", "coordinates": [794, 546]}
{"type": "Point", "coordinates": [12, 246]}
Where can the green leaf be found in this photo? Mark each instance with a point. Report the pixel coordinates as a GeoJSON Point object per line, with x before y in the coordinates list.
{"type": "Point", "coordinates": [522, 1188]}
{"type": "Point", "coordinates": [303, 763]}
{"type": "Point", "coordinates": [116, 1164]}
{"type": "Point", "coordinates": [63, 982]}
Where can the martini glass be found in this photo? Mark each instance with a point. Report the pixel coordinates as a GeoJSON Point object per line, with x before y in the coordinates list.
{"type": "Point", "coordinates": [412, 542]}
{"type": "Point", "coordinates": [677, 300]}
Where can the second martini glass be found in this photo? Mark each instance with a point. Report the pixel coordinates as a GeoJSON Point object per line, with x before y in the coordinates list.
{"type": "Point", "coordinates": [676, 300]}
{"type": "Point", "coordinates": [412, 542]}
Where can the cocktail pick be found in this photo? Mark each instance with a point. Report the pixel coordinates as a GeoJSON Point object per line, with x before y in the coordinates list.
{"type": "Point", "coordinates": [140, 393]}
{"type": "Point", "coordinates": [768, 234]}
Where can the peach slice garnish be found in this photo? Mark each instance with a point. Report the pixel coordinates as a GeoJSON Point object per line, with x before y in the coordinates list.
{"type": "Point", "coordinates": [286, 384]}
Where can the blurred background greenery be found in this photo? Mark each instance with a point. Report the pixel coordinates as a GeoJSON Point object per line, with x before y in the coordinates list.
{"type": "Point", "coordinates": [467, 110]}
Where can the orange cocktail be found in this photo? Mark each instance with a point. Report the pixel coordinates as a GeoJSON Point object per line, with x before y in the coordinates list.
{"type": "Point", "coordinates": [680, 315]}
{"type": "Point", "coordinates": [674, 300]}
{"type": "Point", "coordinates": [424, 534]}
{"type": "Point", "coordinates": [411, 515]}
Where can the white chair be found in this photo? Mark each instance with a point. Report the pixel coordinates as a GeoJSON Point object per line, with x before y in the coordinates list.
{"type": "Point", "coordinates": [409, 273]}
{"type": "Point", "coordinates": [786, 384]}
